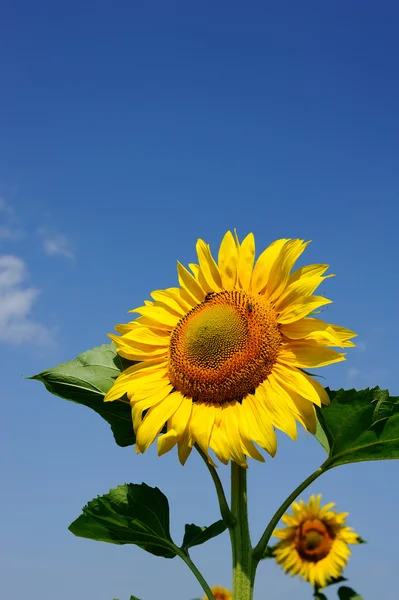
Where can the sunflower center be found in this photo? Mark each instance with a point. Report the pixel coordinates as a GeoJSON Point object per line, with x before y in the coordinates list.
{"type": "Point", "coordinates": [224, 347]}
{"type": "Point", "coordinates": [314, 540]}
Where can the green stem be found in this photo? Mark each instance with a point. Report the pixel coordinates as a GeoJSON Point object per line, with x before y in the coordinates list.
{"type": "Point", "coordinates": [185, 556]}
{"type": "Point", "coordinates": [260, 548]}
{"type": "Point", "coordinates": [225, 511]}
{"type": "Point", "coordinates": [243, 572]}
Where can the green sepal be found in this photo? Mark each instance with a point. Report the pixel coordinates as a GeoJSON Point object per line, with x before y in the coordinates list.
{"type": "Point", "coordinates": [269, 552]}
{"type": "Point", "coordinates": [334, 581]}
{"type": "Point", "coordinates": [129, 514]}
{"type": "Point", "coordinates": [86, 379]}
{"type": "Point", "coordinates": [346, 593]}
{"type": "Point", "coordinates": [195, 535]}
{"type": "Point", "coordinates": [320, 596]}
{"type": "Point", "coordinates": [358, 426]}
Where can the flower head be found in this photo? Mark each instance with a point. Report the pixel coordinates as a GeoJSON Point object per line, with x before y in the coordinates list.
{"type": "Point", "coordinates": [314, 545]}
{"type": "Point", "coordinates": [220, 593]}
{"type": "Point", "coordinates": [220, 359]}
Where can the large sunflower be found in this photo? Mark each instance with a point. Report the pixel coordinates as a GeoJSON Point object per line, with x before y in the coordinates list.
{"type": "Point", "coordinates": [314, 545]}
{"type": "Point", "coordinates": [220, 358]}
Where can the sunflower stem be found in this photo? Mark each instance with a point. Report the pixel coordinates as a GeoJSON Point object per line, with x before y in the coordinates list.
{"type": "Point", "coordinates": [261, 546]}
{"type": "Point", "coordinates": [186, 557]}
{"type": "Point", "coordinates": [243, 571]}
{"type": "Point", "coordinates": [225, 511]}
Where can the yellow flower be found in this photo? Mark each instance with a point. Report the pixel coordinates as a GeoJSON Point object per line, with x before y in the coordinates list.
{"type": "Point", "coordinates": [220, 358]}
{"type": "Point", "coordinates": [220, 593]}
{"type": "Point", "coordinates": [314, 545]}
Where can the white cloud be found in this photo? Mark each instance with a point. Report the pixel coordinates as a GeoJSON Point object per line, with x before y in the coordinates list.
{"type": "Point", "coordinates": [8, 231]}
{"type": "Point", "coordinates": [56, 243]}
{"type": "Point", "coordinates": [16, 302]}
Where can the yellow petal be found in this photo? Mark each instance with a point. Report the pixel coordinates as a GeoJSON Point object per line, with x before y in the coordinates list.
{"type": "Point", "coordinates": [312, 329]}
{"type": "Point", "coordinates": [260, 430]}
{"type": "Point", "coordinates": [265, 262]}
{"type": "Point", "coordinates": [218, 443]}
{"type": "Point", "coordinates": [306, 410]}
{"type": "Point", "coordinates": [135, 351]}
{"type": "Point", "coordinates": [177, 425]}
{"type": "Point", "coordinates": [308, 271]}
{"type": "Point", "coordinates": [167, 441]}
{"type": "Point", "coordinates": [165, 297]}
{"type": "Point", "coordinates": [123, 328]}
{"type": "Point", "coordinates": [201, 424]}
{"type": "Point", "coordinates": [301, 308]}
{"type": "Point", "coordinates": [146, 336]}
{"type": "Point", "coordinates": [152, 324]}
{"type": "Point", "coordinates": [343, 333]}
{"type": "Point", "coordinates": [278, 404]}
{"type": "Point", "coordinates": [232, 432]}
{"type": "Point", "coordinates": [176, 293]}
{"type": "Point", "coordinates": [209, 268]}
{"type": "Point", "coordinates": [190, 284]}
{"type": "Point", "coordinates": [152, 398]}
{"type": "Point", "coordinates": [195, 269]}
{"type": "Point", "coordinates": [131, 385]}
{"type": "Point", "coordinates": [303, 287]}
{"type": "Point", "coordinates": [179, 420]}
{"type": "Point", "coordinates": [185, 445]}
{"type": "Point", "coordinates": [248, 446]}
{"type": "Point", "coordinates": [281, 269]}
{"type": "Point", "coordinates": [228, 260]}
{"type": "Point", "coordinates": [159, 313]}
{"type": "Point", "coordinates": [246, 261]}
{"type": "Point", "coordinates": [121, 384]}
{"type": "Point", "coordinates": [155, 419]}
{"type": "Point", "coordinates": [308, 355]}
{"type": "Point", "coordinates": [293, 379]}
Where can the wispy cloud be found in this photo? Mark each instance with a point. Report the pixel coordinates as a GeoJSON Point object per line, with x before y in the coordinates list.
{"type": "Point", "coordinates": [8, 229]}
{"type": "Point", "coordinates": [353, 373]}
{"type": "Point", "coordinates": [361, 346]}
{"type": "Point", "coordinates": [368, 377]}
{"type": "Point", "coordinates": [16, 302]}
{"type": "Point", "coordinates": [55, 243]}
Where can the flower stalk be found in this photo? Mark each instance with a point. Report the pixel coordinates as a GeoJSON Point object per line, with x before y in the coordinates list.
{"type": "Point", "coordinates": [243, 572]}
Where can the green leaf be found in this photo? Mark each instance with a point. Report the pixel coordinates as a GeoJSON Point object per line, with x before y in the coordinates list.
{"type": "Point", "coordinates": [194, 535]}
{"type": "Point", "coordinates": [360, 425]}
{"type": "Point", "coordinates": [86, 379]}
{"type": "Point", "coordinates": [321, 437]}
{"type": "Point", "coordinates": [346, 593]}
{"type": "Point", "coordinates": [129, 514]}
{"type": "Point", "coordinates": [134, 598]}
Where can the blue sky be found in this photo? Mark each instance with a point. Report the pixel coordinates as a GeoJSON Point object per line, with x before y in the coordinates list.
{"type": "Point", "coordinates": [127, 130]}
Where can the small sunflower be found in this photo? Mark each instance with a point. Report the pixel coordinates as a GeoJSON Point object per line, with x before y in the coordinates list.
{"type": "Point", "coordinates": [220, 359]}
{"type": "Point", "coordinates": [220, 593]}
{"type": "Point", "coordinates": [314, 545]}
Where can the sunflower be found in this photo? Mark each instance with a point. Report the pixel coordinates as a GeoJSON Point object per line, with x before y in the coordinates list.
{"type": "Point", "coordinates": [220, 593]}
{"type": "Point", "coordinates": [314, 545]}
{"type": "Point", "coordinates": [220, 359]}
